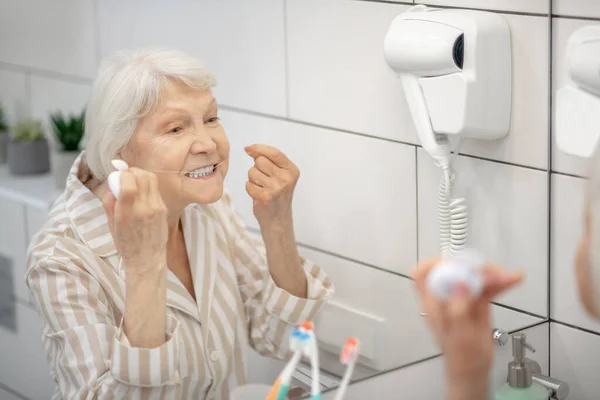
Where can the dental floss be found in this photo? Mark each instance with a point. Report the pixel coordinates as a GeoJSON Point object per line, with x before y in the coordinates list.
{"type": "Point", "coordinates": [114, 178]}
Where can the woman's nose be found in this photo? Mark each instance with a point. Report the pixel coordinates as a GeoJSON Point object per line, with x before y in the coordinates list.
{"type": "Point", "coordinates": [203, 143]}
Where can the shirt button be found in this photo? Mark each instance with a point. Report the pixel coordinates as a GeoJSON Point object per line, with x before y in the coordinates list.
{"type": "Point", "coordinates": [214, 356]}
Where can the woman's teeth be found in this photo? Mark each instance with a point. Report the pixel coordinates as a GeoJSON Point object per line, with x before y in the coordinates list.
{"type": "Point", "coordinates": [199, 173]}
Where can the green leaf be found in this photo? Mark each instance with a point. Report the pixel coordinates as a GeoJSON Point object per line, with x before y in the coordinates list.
{"type": "Point", "coordinates": [68, 130]}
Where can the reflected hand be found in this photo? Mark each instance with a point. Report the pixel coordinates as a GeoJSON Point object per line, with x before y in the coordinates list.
{"type": "Point", "coordinates": [462, 327]}
{"type": "Point", "coordinates": [271, 184]}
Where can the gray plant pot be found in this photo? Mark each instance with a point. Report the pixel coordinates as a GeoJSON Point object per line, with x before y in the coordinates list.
{"type": "Point", "coordinates": [62, 161]}
{"type": "Point", "coordinates": [28, 158]}
{"type": "Point", "coordinates": [3, 147]}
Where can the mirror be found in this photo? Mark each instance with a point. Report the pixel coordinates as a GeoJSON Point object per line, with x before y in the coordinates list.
{"type": "Point", "coordinates": [309, 77]}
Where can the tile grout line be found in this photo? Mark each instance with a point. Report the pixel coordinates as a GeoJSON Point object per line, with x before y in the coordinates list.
{"type": "Point", "coordinates": [576, 17]}
{"type": "Point", "coordinates": [549, 188]}
{"type": "Point", "coordinates": [511, 12]}
{"type": "Point", "coordinates": [368, 136]}
{"type": "Point", "coordinates": [417, 198]}
{"type": "Point", "coordinates": [574, 327]}
{"type": "Point", "coordinates": [44, 73]}
{"type": "Point", "coordinates": [568, 174]}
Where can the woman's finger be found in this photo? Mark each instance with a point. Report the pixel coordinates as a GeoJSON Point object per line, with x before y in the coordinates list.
{"type": "Point", "coordinates": [154, 194]}
{"type": "Point", "coordinates": [266, 166]}
{"type": "Point", "coordinates": [460, 305]}
{"type": "Point", "coordinates": [421, 271]}
{"type": "Point", "coordinates": [497, 281]}
{"type": "Point", "coordinates": [128, 191]}
{"type": "Point", "coordinates": [141, 180]}
{"type": "Point", "coordinates": [258, 177]}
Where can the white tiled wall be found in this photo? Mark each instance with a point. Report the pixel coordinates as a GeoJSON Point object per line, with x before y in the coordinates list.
{"type": "Point", "coordinates": [576, 359]}
{"type": "Point", "coordinates": [575, 343]}
{"type": "Point", "coordinates": [308, 76]}
{"type": "Point", "coordinates": [500, 197]}
{"type": "Point", "coordinates": [426, 380]}
{"type": "Point", "coordinates": [242, 41]}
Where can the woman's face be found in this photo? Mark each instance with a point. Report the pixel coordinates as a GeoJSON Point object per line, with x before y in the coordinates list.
{"type": "Point", "coordinates": [182, 135]}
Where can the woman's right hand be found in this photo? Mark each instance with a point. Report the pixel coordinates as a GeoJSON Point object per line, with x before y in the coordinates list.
{"type": "Point", "coordinates": [463, 329]}
{"type": "Point", "coordinates": [138, 222]}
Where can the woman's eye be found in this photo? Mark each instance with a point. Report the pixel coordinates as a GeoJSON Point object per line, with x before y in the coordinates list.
{"type": "Point", "coordinates": [213, 120]}
{"type": "Point", "coordinates": [177, 129]}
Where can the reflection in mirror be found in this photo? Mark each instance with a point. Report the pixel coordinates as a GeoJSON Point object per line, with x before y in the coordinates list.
{"type": "Point", "coordinates": [311, 79]}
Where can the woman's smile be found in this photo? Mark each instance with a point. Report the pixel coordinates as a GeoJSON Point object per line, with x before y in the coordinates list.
{"type": "Point", "coordinates": [203, 173]}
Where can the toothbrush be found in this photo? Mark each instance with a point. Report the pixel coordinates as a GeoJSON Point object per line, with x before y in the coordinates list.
{"type": "Point", "coordinates": [114, 178]}
{"type": "Point", "coordinates": [314, 361]}
{"type": "Point", "coordinates": [348, 357]}
{"type": "Point", "coordinates": [299, 342]}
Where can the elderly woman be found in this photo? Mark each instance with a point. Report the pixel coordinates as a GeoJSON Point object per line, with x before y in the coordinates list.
{"type": "Point", "coordinates": [462, 326]}
{"type": "Point", "coordinates": [154, 293]}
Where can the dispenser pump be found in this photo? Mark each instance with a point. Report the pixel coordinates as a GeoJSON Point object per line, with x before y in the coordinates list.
{"type": "Point", "coordinates": [519, 370]}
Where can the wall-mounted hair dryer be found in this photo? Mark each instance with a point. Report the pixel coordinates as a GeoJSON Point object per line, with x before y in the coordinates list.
{"type": "Point", "coordinates": [577, 118]}
{"type": "Point", "coordinates": [456, 70]}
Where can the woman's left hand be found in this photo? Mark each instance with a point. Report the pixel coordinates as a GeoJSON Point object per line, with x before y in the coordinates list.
{"type": "Point", "coordinates": [271, 184]}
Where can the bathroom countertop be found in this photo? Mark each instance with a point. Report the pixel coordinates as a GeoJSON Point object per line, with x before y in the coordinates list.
{"type": "Point", "coordinates": [35, 190]}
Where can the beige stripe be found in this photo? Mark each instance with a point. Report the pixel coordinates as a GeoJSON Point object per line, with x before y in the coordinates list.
{"type": "Point", "coordinates": [144, 365]}
{"type": "Point", "coordinates": [94, 343]}
{"type": "Point", "coordinates": [123, 367]}
{"type": "Point", "coordinates": [240, 368]}
{"type": "Point", "coordinates": [186, 350]}
{"type": "Point", "coordinates": [199, 363]}
{"type": "Point", "coordinates": [207, 277]}
{"type": "Point", "coordinates": [297, 310]}
{"type": "Point", "coordinates": [166, 357]}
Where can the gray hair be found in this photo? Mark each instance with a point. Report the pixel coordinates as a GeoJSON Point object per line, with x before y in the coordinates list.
{"type": "Point", "coordinates": [129, 86]}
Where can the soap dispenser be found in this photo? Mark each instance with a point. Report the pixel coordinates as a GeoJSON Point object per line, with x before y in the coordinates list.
{"type": "Point", "coordinates": [520, 385]}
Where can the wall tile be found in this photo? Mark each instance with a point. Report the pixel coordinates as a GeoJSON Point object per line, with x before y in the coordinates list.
{"type": "Point", "coordinates": [56, 36]}
{"type": "Point", "coordinates": [528, 6]}
{"type": "Point", "coordinates": [241, 42]}
{"type": "Point", "coordinates": [562, 28]}
{"type": "Point", "coordinates": [330, 85]}
{"type": "Point", "coordinates": [497, 210]}
{"type": "Point", "coordinates": [527, 141]}
{"type": "Point", "coordinates": [409, 382]}
{"type": "Point", "coordinates": [348, 184]}
{"type": "Point", "coordinates": [28, 372]}
{"type": "Point", "coordinates": [577, 8]}
{"type": "Point", "coordinates": [568, 197]}
{"type": "Point", "coordinates": [576, 360]}
{"type": "Point", "coordinates": [13, 95]}
{"type": "Point", "coordinates": [50, 95]}
{"type": "Point", "coordinates": [388, 297]}
{"type": "Point", "coordinates": [337, 74]}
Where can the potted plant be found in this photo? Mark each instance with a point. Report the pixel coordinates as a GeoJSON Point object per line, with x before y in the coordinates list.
{"type": "Point", "coordinates": [28, 149]}
{"type": "Point", "coordinates": [69, 132]}
{"type": "Point", "coordinates": [3, 136]}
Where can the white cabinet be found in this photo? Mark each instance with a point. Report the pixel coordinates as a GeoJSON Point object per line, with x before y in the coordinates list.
{"type": "Point", "coordinates": [24, 204]}
{"type": "Point", "coordinates": [24, 368]}
{"type": "Point", "coordinates": [13, 242]}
